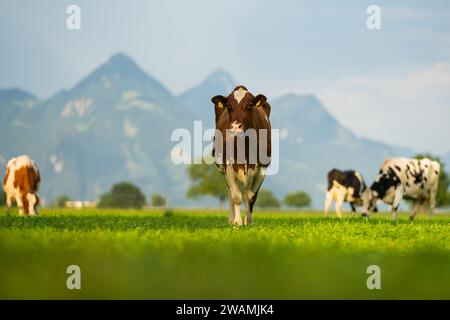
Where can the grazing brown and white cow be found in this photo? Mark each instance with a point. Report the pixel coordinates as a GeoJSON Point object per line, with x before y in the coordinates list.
{"type": "Point", "coordinates": [21, 183]}
{"type": "Point", "coordinates": [242, 147]}
{"type": "Point", "coordinates": [344, 186]}
{"type": "Point", "coordinates": [402, 177]}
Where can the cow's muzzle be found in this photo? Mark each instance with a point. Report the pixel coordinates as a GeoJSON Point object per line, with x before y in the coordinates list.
{"type": "Point", "coordinates": [236, 129]}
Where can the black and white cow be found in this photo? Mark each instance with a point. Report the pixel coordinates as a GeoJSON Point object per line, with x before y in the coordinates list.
{"type": "Point", "coordinates": [402, 177]}
{"type": "Point", "coordinates": [343, 186]}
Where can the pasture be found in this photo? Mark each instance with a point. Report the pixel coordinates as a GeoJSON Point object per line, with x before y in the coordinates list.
{"type": "Point", "coordinates": [195, 254]}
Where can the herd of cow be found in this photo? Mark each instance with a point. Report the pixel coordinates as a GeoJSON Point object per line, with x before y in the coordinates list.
{"type": "Point", "coordinates": [414, 179]}
{"type": "Point", "coordinates": [236, 115]}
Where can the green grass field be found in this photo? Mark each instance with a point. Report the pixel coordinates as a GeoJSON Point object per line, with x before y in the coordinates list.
{"type": "Point", "coordinates": [188, 254]}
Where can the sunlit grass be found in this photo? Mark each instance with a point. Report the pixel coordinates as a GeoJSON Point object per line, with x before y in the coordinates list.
{"type": "Point", "coordinates": [192, 253]}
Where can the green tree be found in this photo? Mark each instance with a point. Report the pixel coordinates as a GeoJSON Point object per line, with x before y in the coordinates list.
{"type": "Point", "coordinates": [123, 195]}
{"type": "Point", "coordinates": [158, 200]}
{"type": "Point", "coordinates": [297, 199]}
{"type": "Point", "coordinates": [60, 202]}
{"type": "Point", "coordinates": [206, 181]}
{"type": "Point", "coordinates": [266, 199]}
{"type": "Point", "coordinates": [442, 196]}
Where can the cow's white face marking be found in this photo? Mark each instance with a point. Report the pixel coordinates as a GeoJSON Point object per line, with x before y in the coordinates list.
{"type": "Point", "coordinates": [239, 94]}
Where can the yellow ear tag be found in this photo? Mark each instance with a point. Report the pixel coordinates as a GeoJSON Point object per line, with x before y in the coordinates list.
{"type": "Point", "coordinates": [257, 104]}
{"type": "Point", "coordinates": [220, 105]}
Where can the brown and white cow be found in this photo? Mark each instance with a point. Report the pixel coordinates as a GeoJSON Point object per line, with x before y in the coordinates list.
{"type": "Point", "coordinates": [21, 183]}
{"type": "Point", "coordinates": [242, 147]}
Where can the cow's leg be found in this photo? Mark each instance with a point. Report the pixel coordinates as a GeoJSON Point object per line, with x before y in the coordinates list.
{"type": "Point", "coordinates": [353, 209]}
{"type": "Point", "coordinates": [231, 214]}
{"type": "Point", "coordinates": [8, 202]}
{"type": "Point", "coordinates": [394, 213]}
{"type": "Point", "coordinates": [338, 205]}
{"type": "Point", "coordinates": [252, 195]}
{"type": "Point", "coordinates": [235, 195]}
{"type": "Point", "coordinates": [339, 200]}
{"type": "Point", "coordinates": [20, 205]}
{"type": "Point", "coordinates": [328, 199]}
{"type": "Point", "coordinates": [31, 203]}
{"type": "Point", "coordinates": [249, 203]}
{"type": "Point", "coordinates": [248, 194]}
{"type": "Point", "coordinates": [432, 202]}
{"type": "Point", "coordinates": [397, 199]}
{"type": "Point", "coordinates": [415, 208]}
{"type": "Point", "coordinates": [246, 208]}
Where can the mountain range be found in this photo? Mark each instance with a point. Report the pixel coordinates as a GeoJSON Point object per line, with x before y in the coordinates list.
{"type": "Point", "coordinates": [115, 125]}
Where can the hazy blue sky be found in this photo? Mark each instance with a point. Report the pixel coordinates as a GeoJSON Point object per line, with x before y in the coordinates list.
{"type": "Point", "coordinates": [392, 84]}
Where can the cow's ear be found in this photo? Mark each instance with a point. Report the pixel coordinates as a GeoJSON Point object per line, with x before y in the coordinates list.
{"type": "Point", "coordinates": [219, 105]}
{"type": "Point", "coordinates": [260, 101]}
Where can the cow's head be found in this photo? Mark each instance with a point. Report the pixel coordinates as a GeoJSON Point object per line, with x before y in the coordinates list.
{"type": "Point", "coordinates": [384, 187]}
{"type": "Point", "coordinates": [239, 107]}
{"type": "Point", "coordinates": [369, 198]}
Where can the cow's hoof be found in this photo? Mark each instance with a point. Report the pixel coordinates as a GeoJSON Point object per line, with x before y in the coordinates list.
{"type": "Point", "coordinates": [237, 223]}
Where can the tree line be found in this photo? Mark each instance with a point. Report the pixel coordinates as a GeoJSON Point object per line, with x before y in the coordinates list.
{"type": "Point", "coordinates": [206, 180]}
{"type": "Point", "coordinates": [121, 195]}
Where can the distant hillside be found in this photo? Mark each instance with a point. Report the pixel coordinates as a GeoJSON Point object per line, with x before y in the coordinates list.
{"type": "Point", "coordinates": [313, 142]}
{"type": "Point", "coordinates": [115, 125]}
